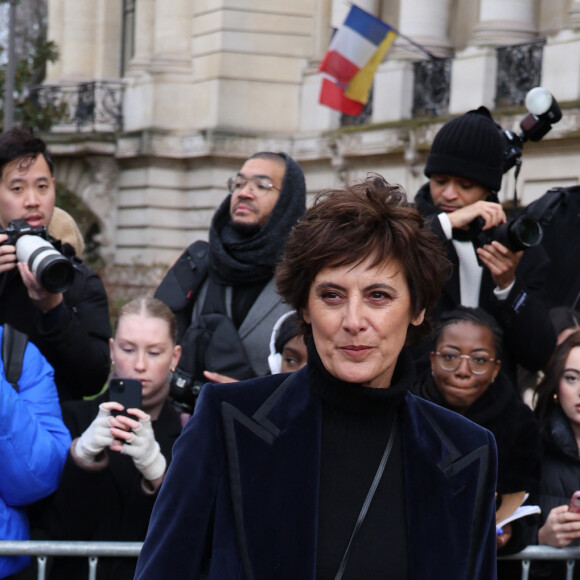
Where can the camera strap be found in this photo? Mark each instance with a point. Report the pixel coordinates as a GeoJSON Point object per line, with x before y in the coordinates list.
{"type": "Point", "coordinates": [369, 498]}
{"type": "Point", "coordinates": [13, 347]}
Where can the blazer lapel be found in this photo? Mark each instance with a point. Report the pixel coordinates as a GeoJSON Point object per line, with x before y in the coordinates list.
{"type": "Point", "coordinates": [273, 461]}
{"type": "Point", "coordinates": [444, 493]}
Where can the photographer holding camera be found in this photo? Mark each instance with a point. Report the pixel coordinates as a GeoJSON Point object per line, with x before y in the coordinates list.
{"type": "Point", "coordinates": [62, 307]}
{"type": "Point", "coordinates": [465, 167]}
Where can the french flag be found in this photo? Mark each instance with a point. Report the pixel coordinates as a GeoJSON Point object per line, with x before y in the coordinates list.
{"type": "Point", "coordinates": [352, 59]}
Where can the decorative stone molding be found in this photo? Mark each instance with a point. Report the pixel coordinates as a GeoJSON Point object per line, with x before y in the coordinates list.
{"type": "Point", "coordinates": [95, 180]}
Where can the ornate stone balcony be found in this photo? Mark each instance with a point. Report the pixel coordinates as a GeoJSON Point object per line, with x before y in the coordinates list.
{"type": "Point", "coordinates": [82, 107]}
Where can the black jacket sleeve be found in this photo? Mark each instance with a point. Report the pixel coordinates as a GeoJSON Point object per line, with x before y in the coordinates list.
{"type": "Point", "coordinates": [523, 316]}
{"type": "Point", "coordinates": [76, 345]}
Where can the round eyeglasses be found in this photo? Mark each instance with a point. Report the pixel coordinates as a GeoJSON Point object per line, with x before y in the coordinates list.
{"type": "Point", "coordinates": [450, 361]}
{"type": "Point", "coordinates": [258, 185]}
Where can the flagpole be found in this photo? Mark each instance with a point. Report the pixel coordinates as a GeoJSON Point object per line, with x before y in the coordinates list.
{"type": "Point", "coordinates": [416, 44]}
{"type": "Point", "coordinates": [410, 40]}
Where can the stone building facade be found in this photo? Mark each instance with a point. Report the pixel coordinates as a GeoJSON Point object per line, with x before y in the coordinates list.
{"type": "Point", "coordinates": [167, 97]}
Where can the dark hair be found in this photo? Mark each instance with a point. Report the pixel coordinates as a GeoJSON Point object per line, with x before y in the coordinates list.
{"type": "Point", "coordinates": [151, 308]}
{"type": "Point", "coordinates": [475, 315]}
{"type": "Point", "coordinates": [346, 226]}
{"type": "Point", "coordinates": [549, 384]}
{"type": "Point", "coordinates": [20, 144]}
{"type": "Point", "coordinates": [288, 330]}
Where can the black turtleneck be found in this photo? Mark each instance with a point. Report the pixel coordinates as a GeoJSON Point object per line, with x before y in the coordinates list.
{"type": "Point", "coordinates": [356, 424]}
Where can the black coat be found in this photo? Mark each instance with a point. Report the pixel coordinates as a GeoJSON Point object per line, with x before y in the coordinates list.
{"type": "Point", "coordinates": [516, 432]}
{"type": "Point", "coordinates": [76, 343]}
{"type": "Point", "coordinates": [529, 337]}
{"type": "Point", "coordinates": [514, 427]}
{"type": "Point", "coordinates": [559, 213]}
{"type": "Point", "coordinates": [245, 479]}
{"type": "Point", "coordinates": [105, 505]}
{"type": "Point", "coordinates": [560, 479]}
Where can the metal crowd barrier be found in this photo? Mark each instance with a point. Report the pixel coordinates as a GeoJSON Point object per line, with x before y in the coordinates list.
{"type": "Point", "coordinates": [531, 553]}
{"type": "Point", "coordinates": [91, 550]}
{"type": "Point", "coordinates": [94, 550]}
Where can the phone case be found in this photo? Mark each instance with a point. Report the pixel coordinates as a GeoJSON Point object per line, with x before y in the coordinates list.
{"type": "Point", "coordinates": [575, 502]}
{"type": "Point", "coordinates": [125, 391]}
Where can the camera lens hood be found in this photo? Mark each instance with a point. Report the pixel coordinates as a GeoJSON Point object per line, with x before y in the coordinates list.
{"type": "Point", "coordinates": [53, 271]}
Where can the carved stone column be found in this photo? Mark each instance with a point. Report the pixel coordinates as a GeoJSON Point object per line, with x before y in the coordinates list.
{"type": "Point", "coordinates": [54, 33]}
{"type": "Point", "coordinates": [144, 33]}
{"type": "Point", "coordinates": [427, 24]}
{"type": "Point", "coordinates": [574, 14]}
{"type": "Point", "coordinates": [78, 30]}
{"type": "Point", "coordinates": [172, 36]}
{"type": "Point", "coordinates": [340, 9]}
{"type": "Point", "coordinates": [505, 22]}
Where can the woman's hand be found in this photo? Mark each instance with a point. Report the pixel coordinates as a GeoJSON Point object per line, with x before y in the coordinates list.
{"type": "Point", "coordinates": [135, 437]}
{"type": "Point", "coordinates": [560, 528]}
{"type": "Point", "coordinates": [97, 435]}
{"type": "Point", "coordinates": [504, 537]}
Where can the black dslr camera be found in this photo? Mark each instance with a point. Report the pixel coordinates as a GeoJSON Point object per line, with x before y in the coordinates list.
{"type": "Point", "coordinates": [184, 390]}
{"type": "Point", "coordinates": [517, 234]}
{"type": "Point", "coordinates": [53, 271]}
{"type": "Point", "coordinates": [523, 231]}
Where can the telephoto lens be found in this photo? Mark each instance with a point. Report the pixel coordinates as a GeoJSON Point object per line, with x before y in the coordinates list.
{"type": "Point", "coordinates": [53, 271]}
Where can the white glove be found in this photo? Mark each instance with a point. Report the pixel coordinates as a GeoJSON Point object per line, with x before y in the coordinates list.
{"type": "Point", "coordinates": [96, 437]}
{"type": "Point", "coordinates": [145, 451]}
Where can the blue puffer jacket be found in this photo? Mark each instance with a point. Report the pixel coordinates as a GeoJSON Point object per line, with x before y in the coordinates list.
{"type": "Point", "coordinates": [34, 443]}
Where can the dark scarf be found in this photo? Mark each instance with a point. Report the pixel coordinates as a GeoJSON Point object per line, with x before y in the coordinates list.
{"type": "Point", "coordinates": [237, 258]}
{"type": "Point", "coordinates": [424, 201]}
{"type": "Point", "coordinates": [496, 399]}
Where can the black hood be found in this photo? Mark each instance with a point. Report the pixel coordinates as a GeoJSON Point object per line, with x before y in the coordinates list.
{"type": "Point", "coordinates": [236, 258]}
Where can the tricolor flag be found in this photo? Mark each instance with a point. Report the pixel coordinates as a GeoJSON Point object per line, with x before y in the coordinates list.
{"type": "Point", "coordinates": [355, 52]}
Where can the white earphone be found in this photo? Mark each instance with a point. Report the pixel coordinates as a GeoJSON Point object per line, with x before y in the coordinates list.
{"type": "Point", "coordinates": [275, 358]}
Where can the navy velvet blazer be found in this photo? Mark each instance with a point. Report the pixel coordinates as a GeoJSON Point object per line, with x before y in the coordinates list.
{"type": "Point", "coordinates": [240, 499]}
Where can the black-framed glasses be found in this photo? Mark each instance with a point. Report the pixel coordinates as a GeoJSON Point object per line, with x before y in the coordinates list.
{"type": "Point", "coordinates": [258, 185]}
{"type": "Point", "coordinates": [450, 361]}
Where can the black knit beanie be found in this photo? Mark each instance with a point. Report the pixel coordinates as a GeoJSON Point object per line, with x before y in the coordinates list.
{"type": "Point", "coordinates": [471, 147]}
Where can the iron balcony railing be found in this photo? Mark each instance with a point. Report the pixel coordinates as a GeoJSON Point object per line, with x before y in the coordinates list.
{"type": "Point", "coordinates": [91, 106]}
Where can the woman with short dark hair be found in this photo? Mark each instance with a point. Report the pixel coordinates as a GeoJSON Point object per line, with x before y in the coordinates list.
{"type": "Point", "coordinates": [335, 471]}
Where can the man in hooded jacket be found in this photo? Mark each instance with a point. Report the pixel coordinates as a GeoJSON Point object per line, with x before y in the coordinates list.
{"type": "Point", "coordinates": [222, 291]}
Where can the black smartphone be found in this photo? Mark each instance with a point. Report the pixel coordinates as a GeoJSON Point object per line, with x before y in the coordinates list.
{"type": "Point", "coordinates": [125, 391]}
